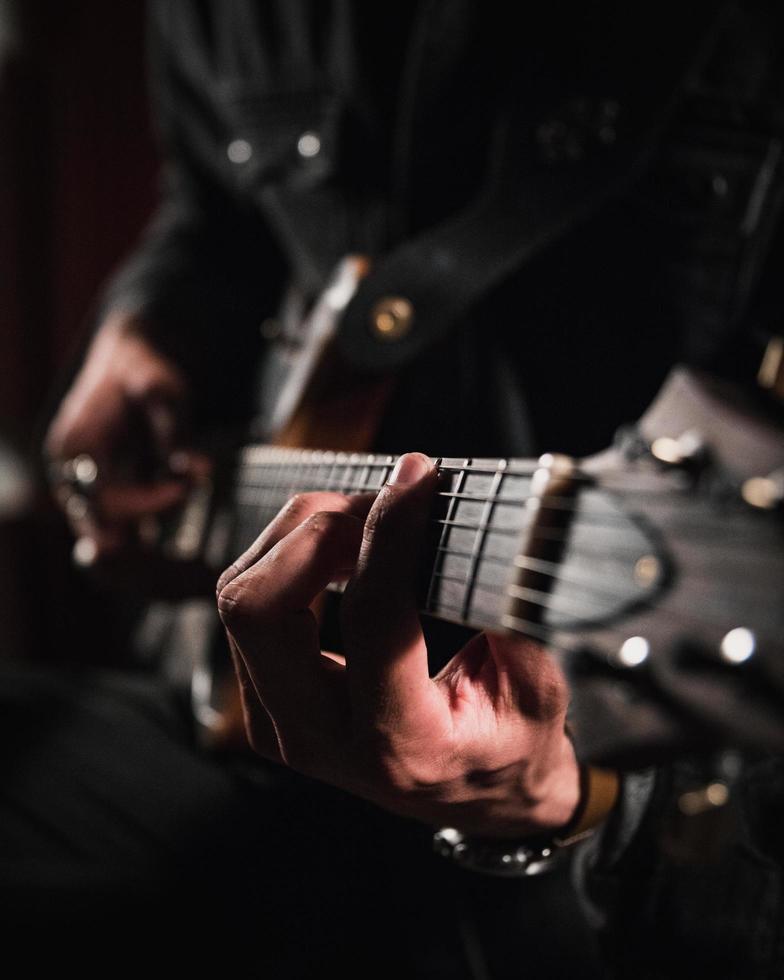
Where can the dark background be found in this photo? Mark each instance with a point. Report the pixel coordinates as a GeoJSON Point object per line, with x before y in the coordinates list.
{"type": "Point", "coordinates": [77, 182]}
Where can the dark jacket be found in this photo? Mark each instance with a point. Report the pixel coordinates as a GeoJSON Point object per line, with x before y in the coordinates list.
{"type": "Point", "coordinates": [296, 132]}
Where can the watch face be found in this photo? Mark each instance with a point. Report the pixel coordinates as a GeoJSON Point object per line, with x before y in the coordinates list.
{"type": "Point", "coordinates": [504, 859]}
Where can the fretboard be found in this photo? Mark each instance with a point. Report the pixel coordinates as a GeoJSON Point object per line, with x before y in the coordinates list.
{"type": "Point", "coordinates": [491, 561]}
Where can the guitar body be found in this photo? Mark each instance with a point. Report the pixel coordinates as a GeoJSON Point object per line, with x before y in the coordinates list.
{"type": "Point", "coordinates": [318, 404]}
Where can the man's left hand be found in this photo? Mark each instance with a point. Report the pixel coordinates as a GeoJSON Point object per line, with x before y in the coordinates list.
{"type": "Point", "coordinates": [480, 747]}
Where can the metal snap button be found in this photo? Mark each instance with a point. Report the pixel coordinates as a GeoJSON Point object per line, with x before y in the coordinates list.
{"type": "Point", "coordinates": [239, 151]}
{"type": "Point", "coordinates": [309, 145]}
{"type": "Point", "coordinates": [392, 318]}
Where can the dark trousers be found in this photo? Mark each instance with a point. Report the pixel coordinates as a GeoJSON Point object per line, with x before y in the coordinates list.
{"type": "Point", "coordinates": [115, 828]}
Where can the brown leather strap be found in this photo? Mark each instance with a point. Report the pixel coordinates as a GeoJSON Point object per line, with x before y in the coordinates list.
{"type": "Point", "coordinates": [600, 791]}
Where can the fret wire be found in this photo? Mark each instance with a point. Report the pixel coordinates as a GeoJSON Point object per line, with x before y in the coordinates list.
{"type": "Point", "coordinates": [543, 533]}
{"type": "Point", "coordinates": [364, 480]}
{"type": "Point", "coordinates": [531, 629]}
{"type": "Point", "coordinates": [536, 597]}
{"type": "Point", "coordinates": [594, 520]}
{"type": "Point", "coordinates": [523, 468]}
{"type": "Point", "coordinates": [589, 584]}
{"type": "Point", "coordinates": [554, 503]}
{"type": "Point", "coordinates": [455, 553]}
{"type": "Point", "coordinates": [345, 480]}
{"type": "Point", "coordinates": [551, 569]}
{"type": "Point", "coordinates": [254, 457]}
{"type": "Point", "coordinates": [429, 601]}
{"type": "Point", "coordinates": [330, 484]}
{"type": "Point", "coordinates": [389, 465]}
{"type": "Point", "coordinates": [551, 502]}
{"type": "Point", "coordinates": [298, 475]}
{"type": "Point", "coordinates": [474, 527]}
{"type": "Point", "coordinates": [481, 535]}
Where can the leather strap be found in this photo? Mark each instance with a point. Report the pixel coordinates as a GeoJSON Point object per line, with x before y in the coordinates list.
{"type": "Point", "coordinates": [600, 792]}
{"type": "Point", "coordinates": [555, 170]}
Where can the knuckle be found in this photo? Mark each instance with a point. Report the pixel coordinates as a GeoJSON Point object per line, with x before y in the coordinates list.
{"type": "Point", "coordinates": [378, 518]}
{"type": "Point", "coordinates": [234, 606]}
{"type": "Point", "coordinates": [225, 578]}
{"type": "Point", "coordinates": [323, 522]}
{"type": "Point", "coordinates": [298, 506]}
{"type": "Point", "coordinates": [401, 767]}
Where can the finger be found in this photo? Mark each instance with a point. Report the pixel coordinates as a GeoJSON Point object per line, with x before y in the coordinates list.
{"type": "Point", "coordinates": [259, 727]}
{"type": "Point", "coordinates": [265, 610]}
{"type": "Point", "coordinates": [297, 510]}
{"type": "Point", "coordinates": [190, 464]}
{"type": "Point", "coordinates": [166, 423]}
{"type": "Point", "coordinates": [385, 647]}
{"type": "Point", "coordinates": [286, 579]}
{"type": "Point", "coordinates": [117, 502]}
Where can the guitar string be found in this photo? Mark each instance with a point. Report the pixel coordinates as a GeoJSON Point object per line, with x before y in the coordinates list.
{"type": "Point", "coordinates": [548, 602]}
{"type": "Point", "coordinates": [584, 629]}
{"type": "Point", "coordinates": [349, 465]}
{"type": "Point", "coordinates": [514, 468]}
{"type": "Point", "coordinates": [541, 567]}
{"type": "Point", "coordinates": [585, 518]}
{"type": "Point", "coordinates": [315, 469]}
{"type": "Point", "coordinates": [553, 502]}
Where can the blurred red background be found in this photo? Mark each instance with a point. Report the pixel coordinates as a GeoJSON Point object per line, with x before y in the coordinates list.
{"type": "Point", "coordinates": [77, 183]}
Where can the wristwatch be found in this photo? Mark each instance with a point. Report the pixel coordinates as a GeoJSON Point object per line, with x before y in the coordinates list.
{"type": "Point", "coordinates": [534, 855]}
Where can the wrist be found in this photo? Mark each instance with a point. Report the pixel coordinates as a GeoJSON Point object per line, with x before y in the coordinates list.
{"type": "Point", "coordinates": [558, 792]}
{"type": "Point", "coordinates": [541, 852]}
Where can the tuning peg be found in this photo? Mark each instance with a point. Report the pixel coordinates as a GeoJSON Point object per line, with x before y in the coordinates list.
{"type": "Point", "coordinates": [738, 646]}
{"type": "Point", "coordinates": [686, 450]}
{"type": "Point", "coordinates": [632, 653]}
{"type": "Point", "coordinates": [764, 492]}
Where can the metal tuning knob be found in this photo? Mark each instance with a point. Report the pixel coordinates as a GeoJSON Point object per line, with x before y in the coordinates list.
{"type": "Point", "coordinates": [764, 492]}
{"type": "Point", "coordinates": [687, 451]}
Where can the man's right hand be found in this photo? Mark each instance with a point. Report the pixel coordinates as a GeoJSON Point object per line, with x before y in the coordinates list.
{"type": "Point", "coordinates": [125, 412]}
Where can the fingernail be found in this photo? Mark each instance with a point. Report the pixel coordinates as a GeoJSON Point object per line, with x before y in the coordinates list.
{"type": "Point", "coordinates": [409, 469]}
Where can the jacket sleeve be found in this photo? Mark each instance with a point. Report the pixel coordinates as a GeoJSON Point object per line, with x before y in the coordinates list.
{"type": "Point", "coordinates": [675, 895]}
{"type": "Point", "coordinates": [206, 270]}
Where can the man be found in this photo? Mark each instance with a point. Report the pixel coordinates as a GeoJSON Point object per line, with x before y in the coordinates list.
{"type": "Point", "coordinates": [297, 133]}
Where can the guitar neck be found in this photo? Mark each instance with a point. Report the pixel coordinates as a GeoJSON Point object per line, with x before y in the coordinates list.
{"type": "Point", "coordinates": [489, 561]}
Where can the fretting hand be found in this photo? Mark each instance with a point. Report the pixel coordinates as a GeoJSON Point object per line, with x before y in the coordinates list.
{"type": "Point", "coordinates": [481, 746]}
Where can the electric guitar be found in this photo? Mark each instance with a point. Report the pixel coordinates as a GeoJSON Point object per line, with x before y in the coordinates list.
{"type": "Point", "coordinates": [655, 568]}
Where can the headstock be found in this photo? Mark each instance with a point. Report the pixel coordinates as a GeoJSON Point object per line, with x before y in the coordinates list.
{"type": "Point", "coordinates": [698, 661]}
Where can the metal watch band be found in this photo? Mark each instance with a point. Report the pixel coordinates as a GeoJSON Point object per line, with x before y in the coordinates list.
{"type": "Point", "coordinates": [503, 858]}
{"type": "Point", "coordinates": [520, 859]}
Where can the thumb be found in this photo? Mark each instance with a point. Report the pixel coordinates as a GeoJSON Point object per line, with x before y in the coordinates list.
{"type": "Point", "coordinates": [385, 648]}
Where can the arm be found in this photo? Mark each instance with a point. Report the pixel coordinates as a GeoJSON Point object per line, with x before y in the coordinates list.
{"type": "Point", "coordinates": [177, 333]}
